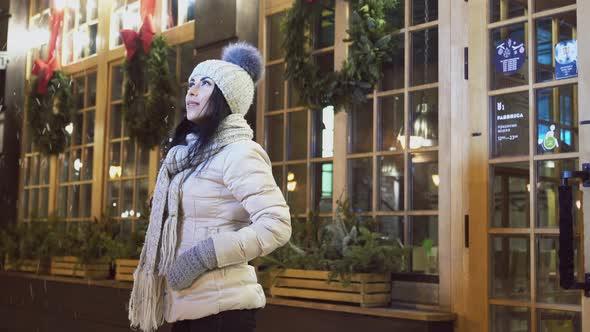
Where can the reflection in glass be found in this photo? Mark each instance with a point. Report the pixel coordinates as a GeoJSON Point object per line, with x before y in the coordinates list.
{"type": "Point", "coordinates": [424, 181]}
{"type": "Point", "coordinates": [548, 181]}
{"type": "Point", "coordinates": [115, 121]}
{"type": "Point", "coordinates": [392, 227]}
{"type": "Point", "coordinates": [322, 139]}
{"type": "Point", "coordinates": [64, 173]}
{"type": "Point", "coordinates": [128, 158]}
{"type": "Point", "coordinates": [360, 128]}
{"type": "Point", "coordinates": [510, 319]}
{"type": "Point", "coordinates": [510, 267]}
{"type": "Point", "coordinates": [557, 119]}
{"type": "Point", "coordinates": [141, 198]}
{"type": "Point", "coordinates": [391, 183]}
{"type": "Point", "coordinates": [117, 83]}
{"type": "Point", "coordinates": [297, 188]}
{"type": "Point", "coordinates": [44, 170]}
{"type": "Point", "coordinates": [516, 33]}
{"type": "Point", "coordinates": [87, 163]}
{"type": "Point", "coordinates": [86, 201]}
{"type": "Point", "coordinates": [393, 71]}
{"type": "Point", "coordinates": [424, 11]}
{"type": "Point", "coordinates": [74, 202]}
{"type": "Point", "coordinates": [391, 122]}
{"type": "Point", "coordinates": [76, 165]}
{"type": "Point", "coordinates": [360, 184]}
{"type": "Point", "coordinates": [126, 198]}
{"type": "Point", "coordinates": [115, 170]}
{"type": "Point", "coordinates": [505, 9]}
{"type": "Point", "coordinates": [424, 48]}
{"type": "Point", "coordinates": [297, 135]}
{"type": "Point", "coordinates": [510, 197]}
{"type": "Point", "coordinates": [274, 137]}
{"type": "Point", "coordinates": [559, 321]}
{"type": "Point", "coordinates": [91, 95]}
{"type": "Point", "coordinates": [541, 5]}
{"type": "Point", "coordinates": [510, 124]}
{"type": "Point", "coordinates": [89, 126]}
{"type": "Point", "coordinates": [113, 193]}
{"type": "Point", "coordinates": [424, 122]}
{"type": "Point", "coordinates": [549, 31]}
{"type": "Point", "coordinates": [548, 289]}
{"type": "Point", "coordinates": [322, 189]}
{"type": "Point", "coordinates": [275, 76]}
{"type": "Point", "coordinates": [93, 30]}
{"type": "Point", "coordinates": [78, 122]}
{"type": "Point", "coordinates": [62, 201]}
{"type": "Point", "coordinates": [34, 170]}
{"type": "Point", "coordinates": [275, 38]}
{"type": "Point", "coordinates": [79, 86]}
{"type": "Point", "coordinates": [423, 239]}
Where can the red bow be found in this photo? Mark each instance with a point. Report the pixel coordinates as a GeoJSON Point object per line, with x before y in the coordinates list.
{"type": "Point", "coordinates": [131, 39]}
{"type": "Point", "coordinates": [44, 72]}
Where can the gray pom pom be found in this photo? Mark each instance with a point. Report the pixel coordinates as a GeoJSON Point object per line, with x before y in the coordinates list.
{"type": "Point", "coordinates": [246, 56]}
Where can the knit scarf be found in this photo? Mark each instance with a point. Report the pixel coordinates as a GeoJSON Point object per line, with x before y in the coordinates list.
{"type": "Point", "coordinates": [147, 302]}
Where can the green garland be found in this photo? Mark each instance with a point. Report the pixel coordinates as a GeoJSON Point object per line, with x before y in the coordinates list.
{"type": "Point", "coordinates": [50, 113]}
{"type": "Point", "coordinates": [372, 44]}
{"type": "Point", "coordinates": [149, 118]}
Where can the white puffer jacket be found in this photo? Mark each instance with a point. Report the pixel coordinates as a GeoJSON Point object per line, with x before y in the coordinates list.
{"type": "Point", "coordinates": [237, 202]}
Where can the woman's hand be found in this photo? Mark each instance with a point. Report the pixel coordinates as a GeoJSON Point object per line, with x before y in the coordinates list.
{"type": "Point", "coordinates": [189, 266]}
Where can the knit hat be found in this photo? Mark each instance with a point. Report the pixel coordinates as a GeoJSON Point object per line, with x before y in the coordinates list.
{"type": "Point", "coordinates": [235, 74]}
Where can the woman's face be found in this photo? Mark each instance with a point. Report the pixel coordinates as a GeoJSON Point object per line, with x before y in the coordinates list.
{"type": "Point", "coordinates": [199, 90]}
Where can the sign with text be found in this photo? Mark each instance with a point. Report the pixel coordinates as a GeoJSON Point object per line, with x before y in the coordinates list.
{"type": "Point", "coordinates": [566, 59]}
{"type": "Point", "coordinates": [510, 56]}
{"type": "Point", "coordinates": [510, 124]}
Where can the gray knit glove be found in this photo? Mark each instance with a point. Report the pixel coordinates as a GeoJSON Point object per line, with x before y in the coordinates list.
{"type": "Point", "coordinates": [192, 264]}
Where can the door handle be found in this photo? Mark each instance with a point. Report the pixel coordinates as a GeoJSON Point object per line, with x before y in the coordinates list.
{"type": "Point", "coordinates": [566, 231]}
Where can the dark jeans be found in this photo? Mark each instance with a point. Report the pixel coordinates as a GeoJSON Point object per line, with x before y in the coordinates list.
{"type": "Point", "coordinates": [225, 321]}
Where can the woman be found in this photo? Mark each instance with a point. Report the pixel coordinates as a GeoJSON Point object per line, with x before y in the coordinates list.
{"type": "Point", "coordinates": [216, 185]}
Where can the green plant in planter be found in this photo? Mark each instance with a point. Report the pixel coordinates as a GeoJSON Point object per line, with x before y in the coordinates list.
{"type": "Point", "coordinates": [129, 242]}
{"type": "Point", "coordinates": [92, 241]}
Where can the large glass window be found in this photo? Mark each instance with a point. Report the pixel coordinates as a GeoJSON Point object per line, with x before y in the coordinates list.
{"type": "Point", "coordinates": [80, 30]}
{"type": "Point", "coordinates": [125, 15]}
{"type": "Point", "coordinates": [177, 12]}
{"type": "Point", "coordinates": [75, 165]}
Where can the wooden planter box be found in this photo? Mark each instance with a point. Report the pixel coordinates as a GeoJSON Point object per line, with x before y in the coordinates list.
{"type": "Point", "coordinates": [70, 266]}
{"type": "Point", "coordinates": [125, 268]}
{"type": "Point", "coordinates": [27, 265]}
{"type": "Point", "coordinates": [365, 289]}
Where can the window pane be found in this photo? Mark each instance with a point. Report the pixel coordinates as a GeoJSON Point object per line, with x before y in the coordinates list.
{"type": "Point", "coordinates": [274, 37]}
{"type": "Point", "coordinates": [509, 68]}
{"type": "Point", "coordinates": [510, 267]}
{"type": "Point", "coordinates": [74, 202]}
{"type": "Point", "coordinates": [274, 137]}
{"type": "Point", "coordinates": [115, 161]}
{"type": "Point", "coordinates": [87, 163]}
{"type": "Point", "coordinates": [187, 61]}
{"type": "Point", "coordinates": [127, 198]}
{"type": "Point", "coordinates": [86, 201]}
{"type": "Point", "coordinates": [77, 164]}
{"type": "Point", "coordinates": [117, 82]}
{"type": "Point", "coordinates": [64, 173]}
{"type": "Point", "coordinates": [424, 122]}
{"type": "Point", "coordinates": [297, 188]}
{"type": "Point", "coordinates": [78, 122]}
{"type": "Point", "coordinates": [34, 207]}
{"type": "Point", "coordinates": [548, 181]}
{"type": "Point", "coordinates": [424, 68]}
{"type": "Point", "coordinates": [322, 187]}
{"type": "Point", "coordinates": [360, 184]}
{"type": "Point", "coordinates": [44, 198]}
{"type": "Point", "coordinates": [277, 173]}
{"type": "Point", "coordinates": [549, 4]}
{"type": "Point", "coordinates": [44, 170]}
{"type": "Point", "coordinates": [391, 183]}
{"type": "Point", "coordinates": [564, 27]}
{"type": "Point", "coordinates": [423, 239]}
{"type": "Point", "coordinates": [24, 204]}
{"type": "Point", "coordinates": [424, 181]}
{"type": "Point", "coordinates": [171, 13]}
{"type": "Point", "coordinates": [62, 201]}
{"type": "Point", "coordinates": [34, 174]}
{"type": "Point", "coordinates": [115, 121]}
{"type": "Point", "coordinates": [143, 161]}
{"type": "Point", "coordinates": [141, 197]}
{"type": "Point", "coordinates": [81, 11]}
{"type": "Point", "coordinates": [510, 205]}
{"type": "Point", "coordinates": [113, 197]}
{"type": "Point", "coordinates": [275, 91]}
{"type": "Point", "coordinates": [424, 11]}
{"type": "Point", "coordinates": [92, 9]}
{"type": "Point", "coordinates": [360, 128]}
{"type": "Point", "coordinates": [322, 139]}
{"type": "Point", "coordinates": [297, 135]}
{"type": "Point", "coordinates": [293, 96]}
{"type": "Point", "coordinates": [79, 86]}
{"type": "Point", "coordinates": [324, 29]}
{"type": "Point", "coordinates": [391, 123]}
{"type": "Point", "coordinates": [128, 158]}
{"type": "Point", "coordinates": [392, 227]}
{"type": "Point", "coordinates": [172, 63]}
{"type": "Point", "coordinates": [559, 321]}
{"type": "Point", "coordinates": [91, 95]}
{"type": "Point", "coordinates": [89, 126]}
{"type": "Point", "coordinates": [548, 289]}
{"type": "Point", "coordinates": [93, 30]}
{"type": "Point", "coordinates": [557, 119]}
{"type": "Point", "coordinates": [191, 10]}
{"type": "Point", "coordinates": [504, 9]}
{"type": "Point", "coordinates": [510, 319]}
{"type": "Point", "coordinates": [510, 124]}
{"type": "Point", "coordinates": [393, 71]}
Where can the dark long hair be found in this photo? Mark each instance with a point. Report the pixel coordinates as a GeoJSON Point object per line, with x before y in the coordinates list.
{"type": "Point", "coordinates": [217, 111]}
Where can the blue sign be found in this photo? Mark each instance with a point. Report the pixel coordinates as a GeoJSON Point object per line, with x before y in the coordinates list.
{"type": "Point", "coordinates": [510, 56]}
{"type": "Point", "coordinates": [566, 59]}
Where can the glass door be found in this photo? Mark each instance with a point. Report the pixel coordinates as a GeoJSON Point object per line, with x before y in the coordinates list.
{"type": "Point", "coordinates": [526, 99]}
